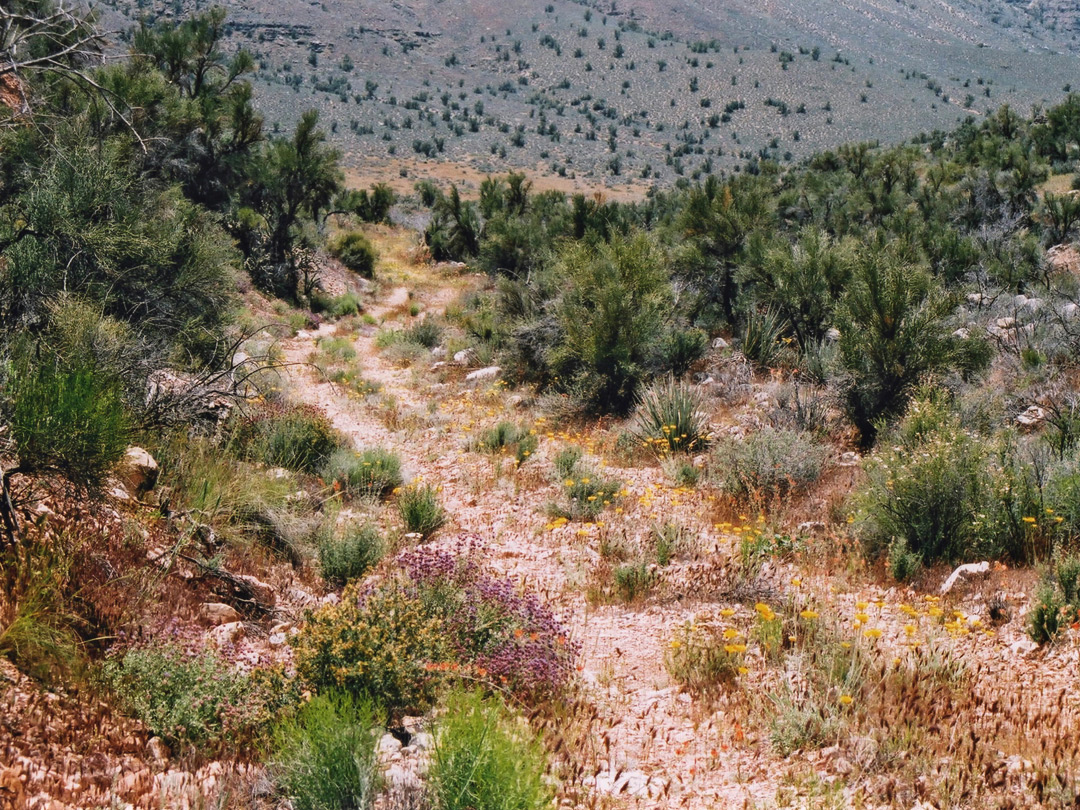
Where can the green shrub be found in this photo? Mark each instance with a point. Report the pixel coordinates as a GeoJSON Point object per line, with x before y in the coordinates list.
{"type": "Point", "coordinates": [931, 491]}
{"type": "Point", "coordinates": [326, 757]}
{"type": "Point", "coordinates": [904, 564]}
{"type": "Point", "coordinates": [356, 252]}
{"type": "Point", "coordinates": [298, 437]}
{"type": "Point", "coordinates": [1044, 621]}
{"type": "Point", "coordinates": [508, 436]}
{"type": "Point", "coordinates": [69, 419]}
{"type": "Point", "coordinates": [671, 418]}
{"type": "Point", "coordinates": [586, 495]}
{"type": "Point", "coordinates": [370, 473]}
{"type": "Point", "coordinates": [633, 580]}
{"type": "Point", "coordinates": [426, 333]}
{"type": "Point", "coordinates": [337, 348]}
{"type": "Point", "coordinates": [486, 759]}
{"type": "Point", "coordinates": [350, 554]}
{"type": "Point", "coordinates": [894, 329]}
{"type": "Point", "coordinates": [378, 643]}
{"type": "Point", "coordinates": [566, 462]}
{"type": "Point", "coordinates": [195, 699]}
{"type": "Point", "coordinates": [616, 298]}
{"type": "Point", "coordinates": [420, 509]}
{"type": "Point", "coordinates": [345, 304]}
{"type": "Point", "coordinates": [768, 464]}
{"type": "Point", "coordinates": [681, 349]}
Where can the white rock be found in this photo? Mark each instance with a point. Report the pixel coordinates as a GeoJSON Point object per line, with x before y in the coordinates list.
{"type": "Point", "coordinates": [489, 373]}
{"type": "Point", "coordinates": [401, 778]}
{"type": "Point", "coordinates": [218, 613]}
{"type": "Point", "coordinates": [389, 745]}
{"type": "Point", "coordinates": [832, 335]}
{"type": "Point", "coordinates": [422, 741]}
{"type": "Point", "coordinates": [158, 751]}
{"type": "Point", "coordinates": [227, 634]}
{"type": "Point", "coordinates": [969, 569]}
{"type": "Point", "coordinates": [720, 343]}
{"type": "Point", "coordinates": [1023, 647]}
{"type": "Point", "coordinates": [438, 352]}
{"type": "Point", "coordinates": [277, 639]}
{"type": "Point", "coordinates": [1031, 417]}
{"type": "Point", "coordinates": [464, 357]}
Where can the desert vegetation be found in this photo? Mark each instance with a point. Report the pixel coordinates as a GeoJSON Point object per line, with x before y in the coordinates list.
{"type": "Point", "coordinates": [761, 489]}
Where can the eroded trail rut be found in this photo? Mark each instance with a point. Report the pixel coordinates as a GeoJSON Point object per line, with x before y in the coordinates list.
{"type": "Point", "coordinates": [654, 747]}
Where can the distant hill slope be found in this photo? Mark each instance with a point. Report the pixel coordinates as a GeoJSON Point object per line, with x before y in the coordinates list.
{"type": "Point", "coordinates": [636, 91]}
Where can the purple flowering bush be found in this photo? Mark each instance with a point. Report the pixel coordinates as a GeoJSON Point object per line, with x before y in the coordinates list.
{"type": "Point", "coordinates": [506, 637]}
{"type": "Point", "coordinates": [439, 617]}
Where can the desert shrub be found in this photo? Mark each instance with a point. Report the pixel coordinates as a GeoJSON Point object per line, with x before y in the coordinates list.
{"type": "Point", "coordinates": [374, 472]}
{"type": "Point", "coordinates": [585, 495]}
{"type": "Point", "coordinates": [506, 436]}
{"type": "Point", "coordinates": [1057, 600]}
{"type": "Point", "coordinates": [508, 637]}
{"type": "Point", "coordinates": [295, 437]}
{"type": "Point", "coordinates": [671, 418]}
{"type": "Point", "coordinates": [440, 614]}
{"type": "Point", "coordinates": [350, 553]}
{"type": "Point", "coordinates": [39, 619]}
{"type": "Point", "coordinates": [566, 462]}
{"type": "Point", "coordinates": [356, 252]}
{"type": "Point", "coordinates": [681, 471]}
{"type": "Point", "coordinates": [1045, 620]}
{"type": "Point", "coordinates": [768, 464]}
{"type": "Point", "coordinates": [378, 643]}
{"type": "Point", "coordinates": [668, 540]}
{"type": "Point", "coordinates": [633, 580]}
{"type": "Point", "coordinates": [325, 756]}
{"type": "Point", "coordinates": [700, 659]}
{"type": "Point", "coordinates": [904, 564]}
{"type": "Point", "coordinates": [337, 348]}
{"type": "Point", "coordinates": [930, 489]}
{"type": "Point", "coordinates": [345, 304]}
{"type": "Point", "coordinates": [894, 329]}
{"type": "Point", "coordinates": [195, 699]}
{"type": "Point", "coordinates": [420, 510]}
{"type": "Point", "coordinates": [616, 299]}
{"type": "Point", "coordinates": [426, 333]}
{"type": "Point", "coordinates": [68, 419]}
{"type": "Point", "coordinates": [484, 758]}
{"type": "Point", "coordinates": [681, 349]}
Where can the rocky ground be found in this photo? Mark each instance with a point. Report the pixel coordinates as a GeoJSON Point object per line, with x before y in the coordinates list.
{"type": "Point", "coordinates": [649, 744]}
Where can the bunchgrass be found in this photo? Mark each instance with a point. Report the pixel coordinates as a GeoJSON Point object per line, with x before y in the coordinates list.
{"type": "Point", "coordinates": [485, 758]}
{"type": "Point", "coordinates": [325, 756]}
{"type": "Point", "coordinates": [420, 510]}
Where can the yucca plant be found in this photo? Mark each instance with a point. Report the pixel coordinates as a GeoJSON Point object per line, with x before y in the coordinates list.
{"type": "Point", "coordinates": [761, 341]}
{"type": "Point", "coordinates": [671, 418]}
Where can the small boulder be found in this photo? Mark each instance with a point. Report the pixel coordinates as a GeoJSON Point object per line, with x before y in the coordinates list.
{"type": "Point", "coordinates": [138, 471]}
{"type": "Point", "coordinates": [720, 343]}
{"type": "Point", "coordinates": [465, 357]}
{"type": "Point", "coordinates": [226, 635]}
{"type": "Point", "coordinates": [218, 613]}
{"type": "Point", "coordinates": [158, 751]}
{"type": "Point", "coordinates": [1031, 417]}
{"type": "Point", "coordinates": [489, 373]}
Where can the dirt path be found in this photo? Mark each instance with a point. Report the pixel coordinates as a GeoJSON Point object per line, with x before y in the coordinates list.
{"type": "Point", "coordinates": [663, 750]}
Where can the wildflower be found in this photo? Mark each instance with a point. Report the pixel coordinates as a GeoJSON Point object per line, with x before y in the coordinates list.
{"type": "Point", "coordinates": [796, 581]}
{"type": "Point", "coordinates": [873, 633]}
{"type": "Point", "coordinates": [845, 700]}
{"type": "Point", "coordinates": [809, 614]}
{"type": "Point", "coordinates": [731, 633]}
{"type": "Point", "coordinates": [726, 612]}
{"type": "Point", "coordinates": [732, 649]}
{"type": "Point", "coordinates": [1028, 519]}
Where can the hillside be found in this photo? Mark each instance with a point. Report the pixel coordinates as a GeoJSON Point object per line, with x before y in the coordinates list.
{"type": "Point", "coordinates": [518, 491]}
{"type": "Point", "coordinates": [635, 94]}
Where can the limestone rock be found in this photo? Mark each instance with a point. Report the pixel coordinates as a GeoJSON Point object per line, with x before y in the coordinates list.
{"type": "Point", "coordinates": [489, 373]}
{"type": "Point", "coordinates": [139, 471]}
{"type": "Point", "coordinates": [217, 613]}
